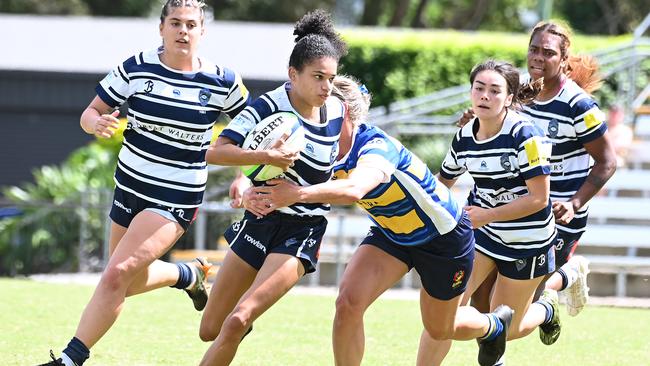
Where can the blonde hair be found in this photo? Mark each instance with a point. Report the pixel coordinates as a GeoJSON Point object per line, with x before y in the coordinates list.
{"type": "Point", "coordinates": [583, 69]}
{"type": "Point", "coordinates": [355, 96]}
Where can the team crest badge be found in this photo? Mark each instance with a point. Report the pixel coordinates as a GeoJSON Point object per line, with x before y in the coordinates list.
{"type": "Point", "coordinates": [235, 226]}
{"type": "Point", "coordinates": [520, 264]}
{"type": "Point", "coordinates": [553, 128]}
{"type": "Point", "coordinates": [459, 276]}
{"type": "Point", "coordinates": [505, 162]}
{"type": "Point", "coordinates": [204, 96]}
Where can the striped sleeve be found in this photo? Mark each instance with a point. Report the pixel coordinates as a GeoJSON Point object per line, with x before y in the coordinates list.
{"type": "Point", "coordinates": [453, 167]}
{"type": "Point", "coordinates": [589, 122]}
{"type": "Point", "coordinates": [113, 89]}
{"type": "Point", "coordinates": [238, 96]}
{"type": "Point", "coordinates": [533, 152]}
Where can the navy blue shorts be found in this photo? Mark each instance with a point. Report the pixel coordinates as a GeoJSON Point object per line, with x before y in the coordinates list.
{"type": "Point", "coordinates": [444, 263]}
{"type": "Point", "coordinates": [126, 205]}
{"type": "Point", "coordinates": [527, 268]}
{"type": "Point", "coordinates": [565, 245]}
{"type": "Point", "coordinates": [252, 239]}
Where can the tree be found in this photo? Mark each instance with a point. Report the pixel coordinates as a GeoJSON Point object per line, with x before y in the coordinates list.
{"type": "Point", "coordinates": [57, 7]}
{"type": "Point", "coordinates": [129, 8]}
{"type": "Point", "coordinates": [267, 10]}
{"type": "Point", "coordinates": [603, 16]}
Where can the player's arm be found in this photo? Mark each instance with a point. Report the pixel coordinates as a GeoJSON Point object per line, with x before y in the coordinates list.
{"type": "Point", "coordinates": [99, 119]}
{"type": "Point", "coordinates": [224, 151]}
{"type": "Point", "coordinates": [602, 151]}
{"type": "Point", "coordinates": [539, 189]}
{"type": "Point", "coordinates": [281, 193]}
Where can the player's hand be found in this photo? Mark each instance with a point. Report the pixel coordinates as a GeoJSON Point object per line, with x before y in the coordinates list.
{"type": "Point", "coordinates": [282, 155]}
{"type": "Point", "coordinates": [276, 193]}
{"type": "Point", "coordinates": [466, 117]}
{"type": "Point", "coordinates": [106, 124]}
{"type": "Point", "coordinates": [237, 188]}
{"type": "Point", "coordinates": [563, 212]}
{"type": "Point", "coordinates": [478, 216]}
{"type": "Point", "coordinates": [255, 203]}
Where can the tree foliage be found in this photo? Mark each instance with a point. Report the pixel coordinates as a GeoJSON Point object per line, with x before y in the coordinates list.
{"type": "Point", "coordinates": [287, 11]}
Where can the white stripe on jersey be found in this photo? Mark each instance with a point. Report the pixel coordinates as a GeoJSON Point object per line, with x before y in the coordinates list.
{"type": "Point", "coordinates": [439, 214]}
{"type": "Point", "coordinates": [155, 157]}
{"type": "Point", "coordinates": [158, 183]}
{"type": "Point", "coordinates": [161, 170]}
{"type": "Point", "coordinates": [172, 122]}
{"type": "Point", "coordinates": [179, 145]}
{"type": "Point", "coordinates": [177, 81]}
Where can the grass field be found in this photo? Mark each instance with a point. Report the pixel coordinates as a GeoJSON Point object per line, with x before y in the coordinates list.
{"type": "Point", "coordinates": [161, 328]}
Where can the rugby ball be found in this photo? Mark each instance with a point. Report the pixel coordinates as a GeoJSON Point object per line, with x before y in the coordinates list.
{"type": "Point", "coordinates": [265, 134]}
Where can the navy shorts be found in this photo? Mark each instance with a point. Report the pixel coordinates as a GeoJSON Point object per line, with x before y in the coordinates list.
{"type": "Point", "coordinates": [565, 245]}
{"type": "Point", "coordinates": [527, 268]}
{"type": "Point", "coordinates": [126, 205]}
{"type": "Point", "coordinates": [444, 263]}
{"type": "Point", "coordinates": [252, 239]}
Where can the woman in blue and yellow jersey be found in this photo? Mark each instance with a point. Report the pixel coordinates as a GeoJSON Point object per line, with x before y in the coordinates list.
{"type": "Point", "coordinates": [417, 224]}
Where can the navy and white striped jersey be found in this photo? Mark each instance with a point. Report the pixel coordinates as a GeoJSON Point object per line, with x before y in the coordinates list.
{"type": "Point", "coordinates": [170, 119]}
{"type": "Point", "coordinates": [570, 119]}
{"type": "Point", "coordinates": [500, 167]}
{"type": "Point", "coordinates": [321, 148]}
{"type": "Point", "coordinates": [410, 206]}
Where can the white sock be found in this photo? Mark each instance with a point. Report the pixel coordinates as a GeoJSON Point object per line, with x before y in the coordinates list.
{"type": "Point", "coordinates": [66, 360]}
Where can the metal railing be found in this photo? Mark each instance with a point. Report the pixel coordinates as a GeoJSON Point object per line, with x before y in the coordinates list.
{"type": "Point", "coordinates": [429, 114]}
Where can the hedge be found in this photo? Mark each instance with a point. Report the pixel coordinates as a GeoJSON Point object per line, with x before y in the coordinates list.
{"type": "Point", "coordinates": [403, 64]}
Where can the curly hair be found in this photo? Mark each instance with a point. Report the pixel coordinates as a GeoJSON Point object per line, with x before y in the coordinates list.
{"type": "Point", "coordinates": [316, 38]}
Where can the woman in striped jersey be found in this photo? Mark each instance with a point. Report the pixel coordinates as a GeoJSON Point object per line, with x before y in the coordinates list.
{"type": "Point", "coordinates": [507, 156]}
{"type": "Point", "coordinates": [174, 98]}
{"type": "Point", "coordinates": [417, 224]}
{"type": "Point", "coordinates": [582, 159]}
{"type": "Point", "coordinates": [268, 255]}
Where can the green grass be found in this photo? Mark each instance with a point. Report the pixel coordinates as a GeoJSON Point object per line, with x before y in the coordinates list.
{"type": "Point", "coordinates": [161, 328]}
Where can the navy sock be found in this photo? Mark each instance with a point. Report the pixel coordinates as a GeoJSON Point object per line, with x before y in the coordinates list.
{"type": "Point", "coordinates": [185, 276]}
{"type": "Point", "coordinates": [77, 351]}
{"type": "Point", "coordinates": [495, 329]}
{"type": "Point", "coordinates": [565, 279]}
{"type": "Point", "coordinates": [549, 310]}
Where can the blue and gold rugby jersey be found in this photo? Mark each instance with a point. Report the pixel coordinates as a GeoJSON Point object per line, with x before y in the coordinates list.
{"type": "Point", "coordinates": [170, 119]}
{"type": "Point", "coordinates": [410, 206]}
{"type": "Point", "coordinates": [570, 119]}
{"type": "Point", "coordinates": [500, 167]}
{"type": "Point", "coordinates": [321, 141]}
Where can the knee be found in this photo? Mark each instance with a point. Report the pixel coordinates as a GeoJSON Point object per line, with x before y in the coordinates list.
{"type": "Point", "coordinates": [349, 307]}
{"type": "Point", "coordinates": [114, 278]}
{"type": "Point", "coordinates": [236, 324]}
{"type": "Point", "coordinates": [208, 334]}
{"type": "Point", "coordinates": [208, 331]}
{"type": "Point", "coordinates": [440, 333]}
